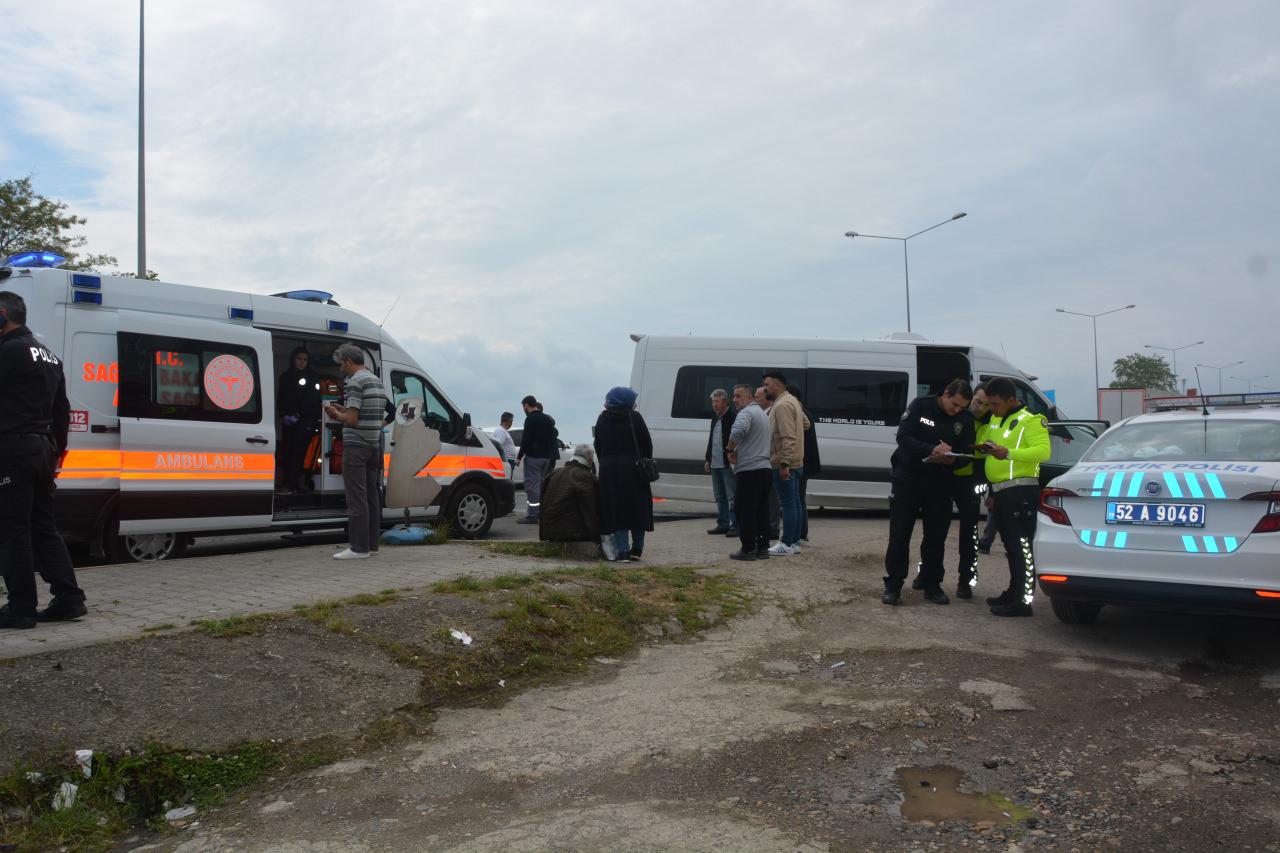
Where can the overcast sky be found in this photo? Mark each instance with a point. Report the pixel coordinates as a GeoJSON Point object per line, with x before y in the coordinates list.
{"type": "Point", "coordinates": [537, 180]}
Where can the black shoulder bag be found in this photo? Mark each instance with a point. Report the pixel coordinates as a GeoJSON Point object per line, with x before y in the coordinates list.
{"type": "Point", "coordinates": [644, 464]}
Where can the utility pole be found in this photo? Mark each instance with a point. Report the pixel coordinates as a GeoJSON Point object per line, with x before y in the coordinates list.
{"type": "Point", "coordinates": [142, 161]}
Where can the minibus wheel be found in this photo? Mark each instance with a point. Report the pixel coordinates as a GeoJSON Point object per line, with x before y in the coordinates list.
{"type": "Point", "coordinates": [470, 512]}
{"type": "Point", "coordinates": [145, 547]}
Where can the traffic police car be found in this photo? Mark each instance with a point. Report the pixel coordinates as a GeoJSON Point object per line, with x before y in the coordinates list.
{"type": "Point", "coordinates": [1174, 510]}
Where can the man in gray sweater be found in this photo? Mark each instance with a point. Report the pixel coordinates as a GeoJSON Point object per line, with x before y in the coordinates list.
{"type": "Point", "coordinates": [748, 449]}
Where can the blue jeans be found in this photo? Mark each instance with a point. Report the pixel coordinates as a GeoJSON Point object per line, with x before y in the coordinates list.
{"type": "Point", "coordinates": [637, 542]}
{"type": "Point", "coordinates": [804, 506]}
{"type": "Point", "coordinates": [722, 483]}
{"type": "Point", "coordinates": [789, 496]}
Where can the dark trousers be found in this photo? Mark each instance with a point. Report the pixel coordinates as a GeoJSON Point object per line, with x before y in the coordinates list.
{"type": "Point", "coordinates": [932, 499]}
{"type": "Point", "coordinates": [361, 481]}
{"type": "Point", "coordinates": [751, 502]}
{"type": "Point", "coordinates": [775, 511]}
{"type": "Point", "coordinates": [1015, 513]}
{"type": "Point", "coordinates": [968, 501]}
{"type": "Point", "coordinates": [29, 538]}
{"type": "Point", "coordinates": [294, 442]}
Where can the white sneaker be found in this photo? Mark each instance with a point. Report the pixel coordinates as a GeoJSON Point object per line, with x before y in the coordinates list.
{"type": "Point", "coordinates": [783, 550]}
{"type": "Point", "coordinates": [348, 554]}
{"type": "Point", "coordinates": [804, 542]}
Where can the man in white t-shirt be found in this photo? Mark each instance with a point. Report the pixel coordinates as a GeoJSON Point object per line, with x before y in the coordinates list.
{"type": "Point", "coordinates": [503, 436]}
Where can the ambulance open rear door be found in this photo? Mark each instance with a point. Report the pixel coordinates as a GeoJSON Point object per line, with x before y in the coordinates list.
{"type": "Point", "coordinates": [197, 424]}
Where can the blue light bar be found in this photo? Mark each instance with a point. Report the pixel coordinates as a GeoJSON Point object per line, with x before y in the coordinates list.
{"type": "Point", "coordinates": [35, 259]}
{"type": "Point", "coordinates": [82, 280]}
{"type": "Point", "coordinates": [240, 313]}
{"type": "Point", "coordinates": [337, 325]}
{"type": "Point", "coordinates": [307, 295]}
{"type": "Point", "coordinates": [85, 297]}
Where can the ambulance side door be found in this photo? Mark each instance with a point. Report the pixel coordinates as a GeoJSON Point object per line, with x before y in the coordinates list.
{"type": "Point", "coordinates": [197, 425]}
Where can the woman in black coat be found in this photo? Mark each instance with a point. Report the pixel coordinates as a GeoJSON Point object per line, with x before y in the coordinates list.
{"type": "Point", "coordinates": [626, 503]}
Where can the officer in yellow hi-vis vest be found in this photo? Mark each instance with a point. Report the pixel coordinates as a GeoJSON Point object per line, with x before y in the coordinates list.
{"type": "Point", "coordinates": [1017, 441]}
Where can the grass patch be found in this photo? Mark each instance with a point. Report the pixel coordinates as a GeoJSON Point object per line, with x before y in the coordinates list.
{"type": "Point", "coordinates": [440, 534]}
{"type": "Point", "coordinates": [555, 621]}
{"type": "Point", "coordinates": [235, 626]}
{"type": "Point", "coordinates": [126, 790]}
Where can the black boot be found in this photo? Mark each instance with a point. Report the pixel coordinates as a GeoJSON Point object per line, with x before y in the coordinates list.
{"type": "Point", "coordinates": [936, 595]}
{"type": "Point", "coordinates": [891, 597]}
{"type": "Point", "coordinates": [9, 619]}
{"type": "Point", "coordinates": [963, 590]}
{"type": "Point", "coordinates": [1003, 598]}
{"type": "Point", "coordinates": [1012, 609]}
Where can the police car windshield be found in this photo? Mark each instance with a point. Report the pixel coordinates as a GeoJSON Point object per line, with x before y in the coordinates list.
{"type": "Point", "coordinates": [1202, 440]}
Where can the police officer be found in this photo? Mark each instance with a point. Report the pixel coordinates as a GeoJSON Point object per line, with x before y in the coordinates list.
{"type": "Point", "coordinates": [1017, 441]}
{"type": "Point", "coordinates": [33, 435]}
{"type": "Point", "coordinates": [921, 483]}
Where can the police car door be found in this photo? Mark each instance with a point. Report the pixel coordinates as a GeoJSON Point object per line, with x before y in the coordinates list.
{"type": "Point", "coordinates": [197, 424]}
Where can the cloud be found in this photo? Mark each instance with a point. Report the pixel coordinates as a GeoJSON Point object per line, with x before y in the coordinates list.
{"type": "Point", "coordinates": [527, 177]}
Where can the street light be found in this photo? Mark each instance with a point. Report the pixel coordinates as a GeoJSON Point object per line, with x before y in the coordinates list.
{"type": "Point", "coordinates": [906, 271]}
{"type": "Point", "coordinates": [1249, 380]}
{"type": "Point", "coordinates": [1219, 369]}
{"type": "Point", "coordinates": [1174, 350]}
{"type": "Point", "coordinates": [1097, 382]}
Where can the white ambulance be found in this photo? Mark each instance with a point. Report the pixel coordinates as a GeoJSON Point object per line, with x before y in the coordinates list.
{"type": "Point", "coordinates": [174, 430]}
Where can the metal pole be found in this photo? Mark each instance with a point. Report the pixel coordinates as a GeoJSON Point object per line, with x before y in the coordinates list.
{"type": "Point", "coordinates": [1097, 381]}
{"type": "Point", "coordinates": [906, 271]}
{"type": "Point", "coordinates": [142, 163]}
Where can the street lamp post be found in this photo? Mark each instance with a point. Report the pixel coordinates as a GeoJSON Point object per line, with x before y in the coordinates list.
{"type": "Point", "coordinates": [1219, 368]}
{"type": "Point", "coordinates": [1097, 381]}
{"type": "Point", "coordinates": [906, 270]}
{"type": "Point", "coordinates": [1249, 380]}
{"type": "Point", "coordinates": [1174, 350]}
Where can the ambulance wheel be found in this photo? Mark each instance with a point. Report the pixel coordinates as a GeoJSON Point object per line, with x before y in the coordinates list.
{"type": "Point", "coordinates": [470, 512]}
{"type": "Point", "coordinates": [1075, 612]}
{"type": "Point", "coordinates": [144, 548]}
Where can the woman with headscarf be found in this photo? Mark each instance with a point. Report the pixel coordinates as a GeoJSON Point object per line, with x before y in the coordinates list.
{"type": "Point", "coordinates": [626, 503]}
{"type": "Point", "coordinates": [298, 406]}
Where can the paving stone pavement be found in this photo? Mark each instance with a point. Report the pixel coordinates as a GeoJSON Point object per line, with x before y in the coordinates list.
{"type": "Point", "coordinates": [125, 600]}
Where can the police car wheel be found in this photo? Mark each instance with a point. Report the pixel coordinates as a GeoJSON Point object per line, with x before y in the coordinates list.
{"type": "Point", "coordinates": [1075, 612]}
{"type": "Point", "coordinates": [470, 513]}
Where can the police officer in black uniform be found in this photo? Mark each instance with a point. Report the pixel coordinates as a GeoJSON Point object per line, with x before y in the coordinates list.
{"type": "Point", "coordinates": [33, 435]}
{"type": "Point", "coordinates": [931, 427]}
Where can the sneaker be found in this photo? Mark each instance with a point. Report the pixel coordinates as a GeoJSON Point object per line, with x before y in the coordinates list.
{"type": "Point", "coordinates": [1015, 609]}
{"type": "Point", "coordinates": [804, 542]}
{"type": "Point", "coordinates": [718, 530]}
{"type": "Point", "coordinates": [891, 597]}
{"type": "Point", "coordinates": [348, 554]}
{"type": "Point", "coordinates": [9, 619]}
{"type": "Point", "coordinates": [783, 550]}
{"type": "Point", "coordinates": [936, 595]}
{"type": "Point", "coordinates": [62, 610]}
{"type": "Point", "coordinates": [762, 554]}
{"type": "Point", "coordinates": [622, 558]}
{"type": "Point", "coordinates": [732, 533]}
{"type": "Point", "coordinates": [635, 558]}
{"type": "Point", "coordinates": [742, 555]}
{"type": "Point", "coordinates": [963, 590]}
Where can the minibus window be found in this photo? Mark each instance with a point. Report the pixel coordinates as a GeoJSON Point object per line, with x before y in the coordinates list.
{"type": "Point", "coordinates": [856, 397]}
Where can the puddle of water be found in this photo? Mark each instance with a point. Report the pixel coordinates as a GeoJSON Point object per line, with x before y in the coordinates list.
{"type": "Point", "coordinates": [931, 793]}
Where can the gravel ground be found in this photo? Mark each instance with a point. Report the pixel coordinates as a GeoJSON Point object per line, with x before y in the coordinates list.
{"type": "Point", "coordinates": [798, 727]}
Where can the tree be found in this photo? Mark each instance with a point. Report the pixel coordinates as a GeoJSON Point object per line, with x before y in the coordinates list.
{"type": "Point", "coordinates": [31, 222]}
{"type": "Point", "coordinates": [1144, 371]}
